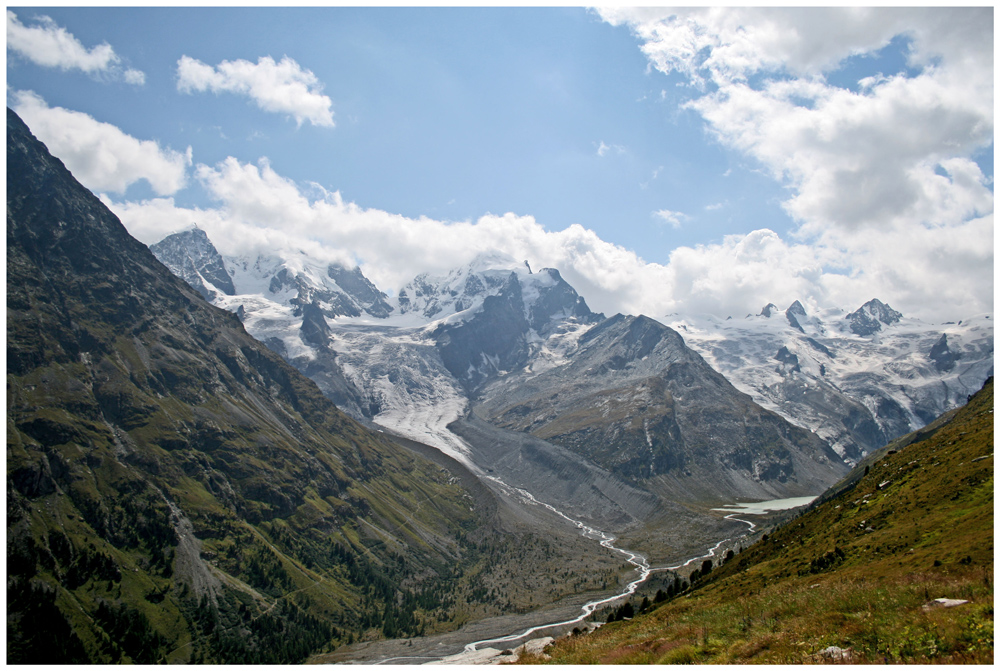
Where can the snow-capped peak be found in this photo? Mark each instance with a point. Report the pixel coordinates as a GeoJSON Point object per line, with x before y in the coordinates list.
{"type": "Point", "coordinates": [868, 319]}
{"type": "Point", "coordinates": [462, 289]}
{"type": "Point", "coordinates": [796, 309]}
{"type": "Point", "coordinates": [495, 260]}
{"type": "Point", "coordinates": [191, 256]}
{"type": "Point", "coordinates": [544, 295]}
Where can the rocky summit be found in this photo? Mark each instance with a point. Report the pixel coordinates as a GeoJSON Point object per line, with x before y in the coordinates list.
{"type": "Point", "coordinates": [870, 317]}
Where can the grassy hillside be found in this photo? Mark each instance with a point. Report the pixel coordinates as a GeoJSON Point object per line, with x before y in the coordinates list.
{"type": "Point", "coordinates": [175, 491]}
{"type": "Point", "coordinates": [860, 571]}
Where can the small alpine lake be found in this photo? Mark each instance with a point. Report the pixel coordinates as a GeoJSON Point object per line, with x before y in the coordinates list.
{"type": "Point", "coordinates": [765, 507]}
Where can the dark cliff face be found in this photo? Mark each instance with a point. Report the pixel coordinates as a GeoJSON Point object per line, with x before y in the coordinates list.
{"type": "Point", "coordinates": [558, 300]}
{"type": "Point", "coordinates": [869, 318]}
{"type": "Point", "coordinates": [361, 290]}
{"type": "Point", "coordinates": [495, 340]}
{"type": "Point", "coordinates": [167, 472]}
{"type": "Point", "coordinates": [492, 341]}
{"type": "Point", "coordinates": [944, 359]}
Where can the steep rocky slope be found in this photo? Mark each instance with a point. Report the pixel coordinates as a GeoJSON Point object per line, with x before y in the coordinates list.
{"type": "Point", "coordinates": [176, 492]}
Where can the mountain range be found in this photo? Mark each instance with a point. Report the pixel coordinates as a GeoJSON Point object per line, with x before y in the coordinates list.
{"type": "Point", "coordinates": [508, 370]}
{"type": "Point", "coordinates": [858, 380]}
{"type": "Point", "coordinates": [256, 458]}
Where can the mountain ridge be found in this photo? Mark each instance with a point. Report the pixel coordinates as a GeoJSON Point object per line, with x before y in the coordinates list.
{"type": "Point", "coordinates": [176, 491]}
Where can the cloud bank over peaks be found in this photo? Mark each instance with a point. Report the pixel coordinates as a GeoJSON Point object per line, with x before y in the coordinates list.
{"type": "Point", "coordinates": [934, 273]}
{"type": "Point", "coordinates": [99, 154]}
{"type": "Point", "coordinates": [50, 45]}
{"type": "Point", "coordinates": [283, 87]}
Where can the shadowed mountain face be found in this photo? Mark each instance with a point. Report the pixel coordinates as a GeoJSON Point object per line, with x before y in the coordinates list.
{"type": "Point", "coordinates": [635, 400]}
{"type": "Point", "coordinates": [870, 317]}
{"type": "Point", "coordinates": [176, 491]}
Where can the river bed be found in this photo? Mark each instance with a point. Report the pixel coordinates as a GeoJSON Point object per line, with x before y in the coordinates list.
{"type": "Point", "coordinates": [469, 645]}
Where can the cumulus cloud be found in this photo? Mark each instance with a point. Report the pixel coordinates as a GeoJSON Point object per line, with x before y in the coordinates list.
{"type": "Point", "coordinates": [282, 87]}
{"type": "Point", "coordinates": [50, 45]}
{"type": "Point", "coordinates": [852, 158]}
{"type": "Point", "coordinates": [99, 154]}
{"type": "Point", "coordinates": [259, 211]}
{"type": "Point", "coordinates": [881, 179]}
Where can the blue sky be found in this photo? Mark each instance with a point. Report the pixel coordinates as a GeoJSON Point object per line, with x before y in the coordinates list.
{"type": "Point", "coordinates": [663, 161]}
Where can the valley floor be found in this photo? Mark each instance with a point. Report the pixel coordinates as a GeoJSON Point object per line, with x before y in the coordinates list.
{"type": "Point", "coordinates": [428, 649]}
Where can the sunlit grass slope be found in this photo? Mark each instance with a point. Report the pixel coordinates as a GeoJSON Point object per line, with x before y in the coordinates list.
{"type": "Point", "coordinates": [861, 571]}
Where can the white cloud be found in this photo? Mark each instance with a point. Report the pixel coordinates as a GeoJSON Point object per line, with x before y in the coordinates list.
{"type": "Point", "coordinates": [50, 45]}
{"type": "Point", "coordinates": [98, 154]}
{"type": "Point", "coordinates": [852, 158]}
{"type": "Point", "coordinates": [881, 179]}
{"type": "Point", "coordinates": [671, 217]}
{"type": "Point", "coordinates": [136, 77]}
{"type": "Point", "coordinates": [282, 87]}
{"type": "Point", "coordinates": [259, 211]}
{"type": "Point", "coordinates": [603, 149]}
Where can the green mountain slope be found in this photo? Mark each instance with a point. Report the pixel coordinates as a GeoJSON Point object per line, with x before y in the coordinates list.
{"type": "Point", "coordinates": [175, 491]}
{"type": "Point", "coordinates": [860, 572]}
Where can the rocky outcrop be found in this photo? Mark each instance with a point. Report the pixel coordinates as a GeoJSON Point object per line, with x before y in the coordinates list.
{"type": "Point", "coordinates": [944, 359]}
{"type": "Point", "coordinates": [555, 300]}
{"type": "Point", "coordinates": [360, 289]}
{"type": "Point", "coordinates": [793, 313]}
{"type": "Point", "coordinates": [490, 342]}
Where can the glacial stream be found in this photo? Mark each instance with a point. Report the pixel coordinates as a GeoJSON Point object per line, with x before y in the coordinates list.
{"type": "Point", "coordinates": [438, 435]}
{"type": "Point", "coordinates": [606, 541]}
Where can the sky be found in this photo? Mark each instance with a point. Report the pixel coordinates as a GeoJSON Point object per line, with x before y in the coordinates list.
{"type": "Point", "coordinates": [697, 161]}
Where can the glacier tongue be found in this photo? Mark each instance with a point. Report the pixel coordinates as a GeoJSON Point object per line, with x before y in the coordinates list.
{"type": "Point", "coordinates": [401, 373]}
